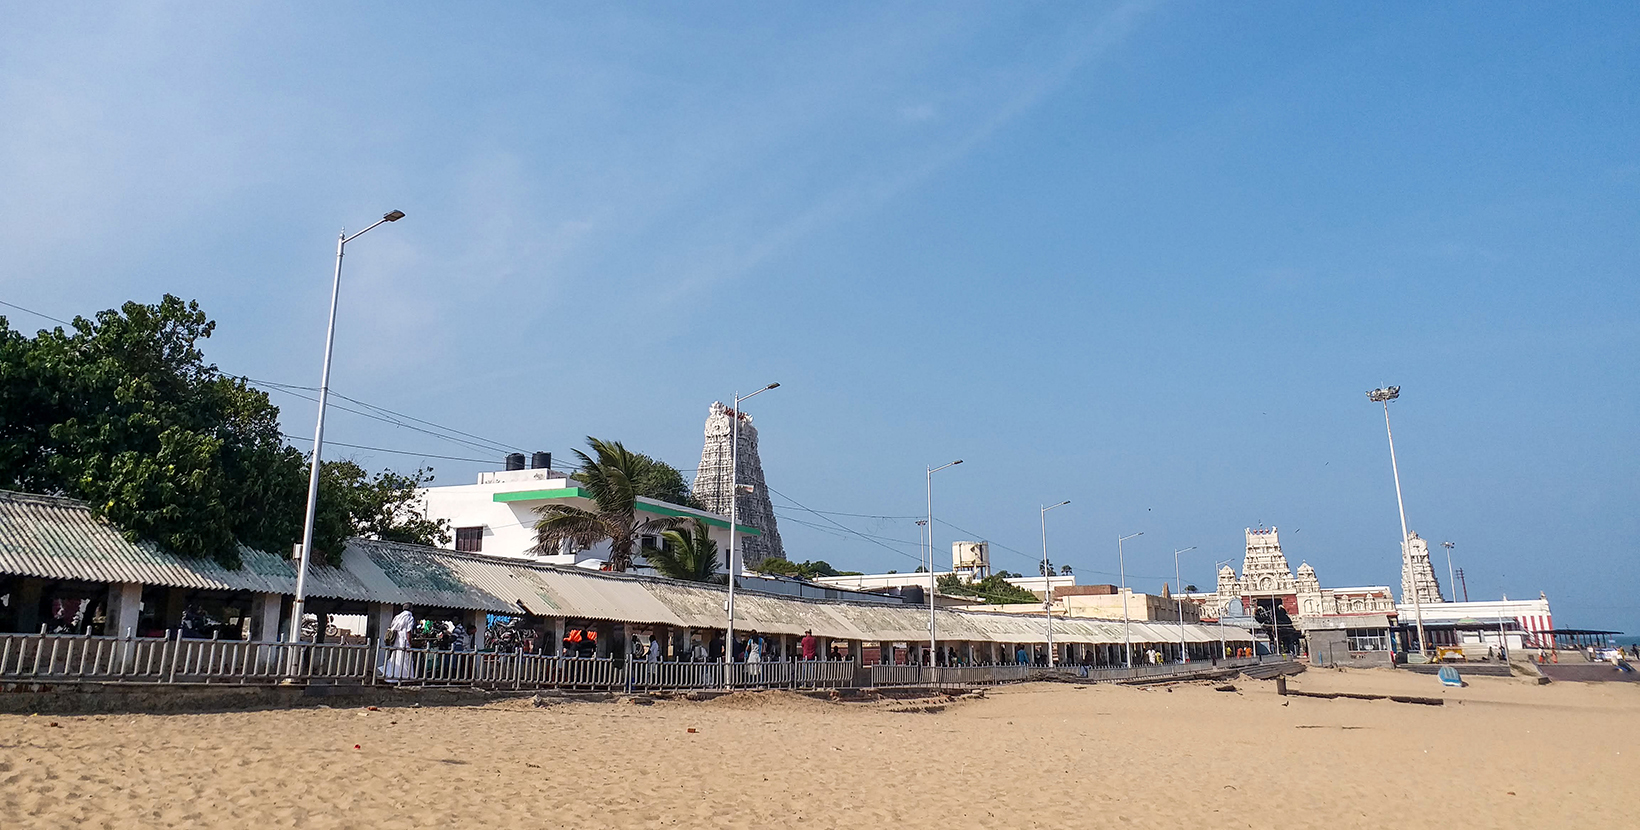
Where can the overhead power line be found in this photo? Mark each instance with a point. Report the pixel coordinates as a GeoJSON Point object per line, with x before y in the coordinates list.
{"type": "Point", "coordinates": [36, 313]}
{"type": "Point", "coordinates": [843, 527]}
{"type": "Point", "coordinates": [384, 449]}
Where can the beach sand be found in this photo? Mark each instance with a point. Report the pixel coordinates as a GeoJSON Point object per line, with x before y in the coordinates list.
{"type": "Point", "coordinates": [1500, 753]}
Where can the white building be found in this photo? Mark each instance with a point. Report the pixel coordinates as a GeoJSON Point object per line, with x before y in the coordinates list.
{"type": "Point", "coordinates": [496, 516]}
{"type": "Point", "coordinates": [971, 561]}
{"type": "Point", "coordinates": [1516, 623]}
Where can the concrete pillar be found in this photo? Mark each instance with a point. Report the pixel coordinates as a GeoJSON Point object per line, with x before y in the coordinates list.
{"type": "Point", "coordinates": [378, 616]}
{"type": "Point", "coordinates": [477, 625]}
{"type": "Point", "coordinates": [29, 591]}
{"type": "Point", "coordinates": [606, 634]}
{"type": "Point", "coordinates": [265, 612]}
{"type": "Point", "coordinates": [857, 652]}
{"type": "Point", "coordinates": [321, 622]}
{"type": "Point", "coordinates": [559, 630]}
{"type": "Point", "coordinates": [176, 601]}
{"type": "Point", "coordinates": [124, 606]}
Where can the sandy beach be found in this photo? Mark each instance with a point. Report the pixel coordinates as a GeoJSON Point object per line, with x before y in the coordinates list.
{"type": "Point", "coordinates": [1500, 753]}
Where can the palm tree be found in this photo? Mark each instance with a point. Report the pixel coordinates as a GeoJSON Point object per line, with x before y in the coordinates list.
{"type": "Point", "coordinates": [614, 480]}
{"type": "Point", "coordinates": [691, 556]}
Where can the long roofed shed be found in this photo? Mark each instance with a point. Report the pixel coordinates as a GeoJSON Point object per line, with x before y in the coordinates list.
{"type": "Point", "coordinates": [51, 537]}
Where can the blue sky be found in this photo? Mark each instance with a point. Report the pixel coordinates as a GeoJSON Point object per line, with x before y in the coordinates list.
{"type": "Point", "coordinates": [1146, 257]}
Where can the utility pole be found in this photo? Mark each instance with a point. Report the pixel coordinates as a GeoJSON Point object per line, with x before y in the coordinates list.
{"type": "Point", "coordinates": [1464, 584]}
{"type": "Point", "coordinates": [734, 529]}
{"type": "Point", "coordinates": [1047, 583]}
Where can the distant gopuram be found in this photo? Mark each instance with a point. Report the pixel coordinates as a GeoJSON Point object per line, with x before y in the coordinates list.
{"type": "Point", "coordinates": [1417, 575]}
{"type": "Point", "coordinates": [713, 484]}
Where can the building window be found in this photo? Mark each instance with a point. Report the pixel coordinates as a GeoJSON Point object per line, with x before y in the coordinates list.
{"type": "Point", "coordinates": [1368, 639]}
{"type": "Point", "coordinates": [470, 539]}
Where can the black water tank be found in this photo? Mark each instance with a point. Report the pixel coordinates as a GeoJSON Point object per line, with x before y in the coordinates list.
{"type": "Point", "coordinates": [515, 461]}
{"type": "Point", "coordinates": [541, 461]}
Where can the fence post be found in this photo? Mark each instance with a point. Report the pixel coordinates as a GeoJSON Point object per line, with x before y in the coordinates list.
{"type": "Point", "coordinates": [171, 670]}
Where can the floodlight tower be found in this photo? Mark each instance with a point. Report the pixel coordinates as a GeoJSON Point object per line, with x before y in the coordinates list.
{"type": "Point", "coordinates": [1384, 395]}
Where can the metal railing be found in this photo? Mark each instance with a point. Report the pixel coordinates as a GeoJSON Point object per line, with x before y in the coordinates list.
{"type": "Point", "coordinates": [67, 658]}
{"type": "Point", "coordinates": [913, 675]}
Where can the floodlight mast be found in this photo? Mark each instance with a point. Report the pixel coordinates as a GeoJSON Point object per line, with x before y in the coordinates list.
{"type": "Point", "coordinates": [1384, 395]}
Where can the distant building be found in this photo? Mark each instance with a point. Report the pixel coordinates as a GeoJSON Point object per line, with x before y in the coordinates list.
{"type": "Point", "coordinates": [496, 516]}
{"type": "Point", "coordinates": [971, 562]}
{"type": "Point", "coordinates": [1417, 575]}
{"type": "Point", "coordinates": [1364, 625]}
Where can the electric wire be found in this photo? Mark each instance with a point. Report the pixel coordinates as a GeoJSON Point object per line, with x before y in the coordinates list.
{"type": "Point", "coordinates": [36, 313]}
{"type": "Point", "coordinates": [384, 449]}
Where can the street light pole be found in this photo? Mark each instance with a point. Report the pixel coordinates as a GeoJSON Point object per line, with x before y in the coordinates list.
{"type": "Point", "coordinates": [933, 630]}
{"type": "Point", "coordinates": [319, 430]}
{"type": "Point", "coordinates": [1179, 592]}
{"type": "Point", "coordinates": [1384, 396]}
{"type": "Point", "coordinates": [1047, 582]}
{"type": "Point", "coordinates": [1127, 625]}
{"type": "Point", "coordinates": [1223, 646]}
{"type": "Point", "coordinates": [734, 519]}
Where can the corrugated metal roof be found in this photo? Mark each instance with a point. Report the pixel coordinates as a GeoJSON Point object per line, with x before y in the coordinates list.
{"type": "Point", "coordinates": [598, 595]}
{"type": "Point", "coordinates": [58, 538]}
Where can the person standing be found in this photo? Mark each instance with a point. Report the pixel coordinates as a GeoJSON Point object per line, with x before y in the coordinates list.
{"type": "Point", "coordinates": [754, 656]}
{"type": "Point", "coordinates": [653, 654]}
{"type": "Point", "coordinates": [810, 646]}
{"type": "Point", "coordinates": [398, 665]}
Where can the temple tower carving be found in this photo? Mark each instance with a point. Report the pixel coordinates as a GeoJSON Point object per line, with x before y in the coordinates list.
{"type": "Point", "coordinates": [713, 483]}
{"type": "Point", "coordinates": [1265, 571]}
{"type": "Point", "coordinates": [1416, 572]}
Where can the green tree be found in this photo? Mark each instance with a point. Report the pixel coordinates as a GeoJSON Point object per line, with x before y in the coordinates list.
{"type": "Point", "coordinates": [802, 570]}
{"type": "Point", "coordinates": [384, 506]}
{"type": "Point", "coordinates": [124, 413]}
{"type": "Point", "coordinates": [614, 480]}
{"type": "Point", "coordinates": [993, 590]}
{"type": "Point", "coordinates": [690, 554]}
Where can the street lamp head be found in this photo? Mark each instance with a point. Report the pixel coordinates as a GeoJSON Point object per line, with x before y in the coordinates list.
{"type": "Point", "coordinates": [772, 386]}
{"type": "Point", "coordinates": [1387, 393]}
{"type": "Point", "coordinates": [958, 461]}
{"type": "Point", "coordinates": [393, 216]}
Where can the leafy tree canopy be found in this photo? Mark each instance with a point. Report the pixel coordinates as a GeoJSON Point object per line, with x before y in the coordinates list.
{"type": "Point", "coordinates": [994, 589]}
{"type": "Point", "coordinates": [124, 413]}
{"type": "Point", "coordinates": [802, 570]}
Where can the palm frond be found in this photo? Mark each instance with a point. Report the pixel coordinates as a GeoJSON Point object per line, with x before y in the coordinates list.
{"type": "Point", "coordinates": [690, 555]}
{"type": "Point", "coordinates": [560, 522]}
